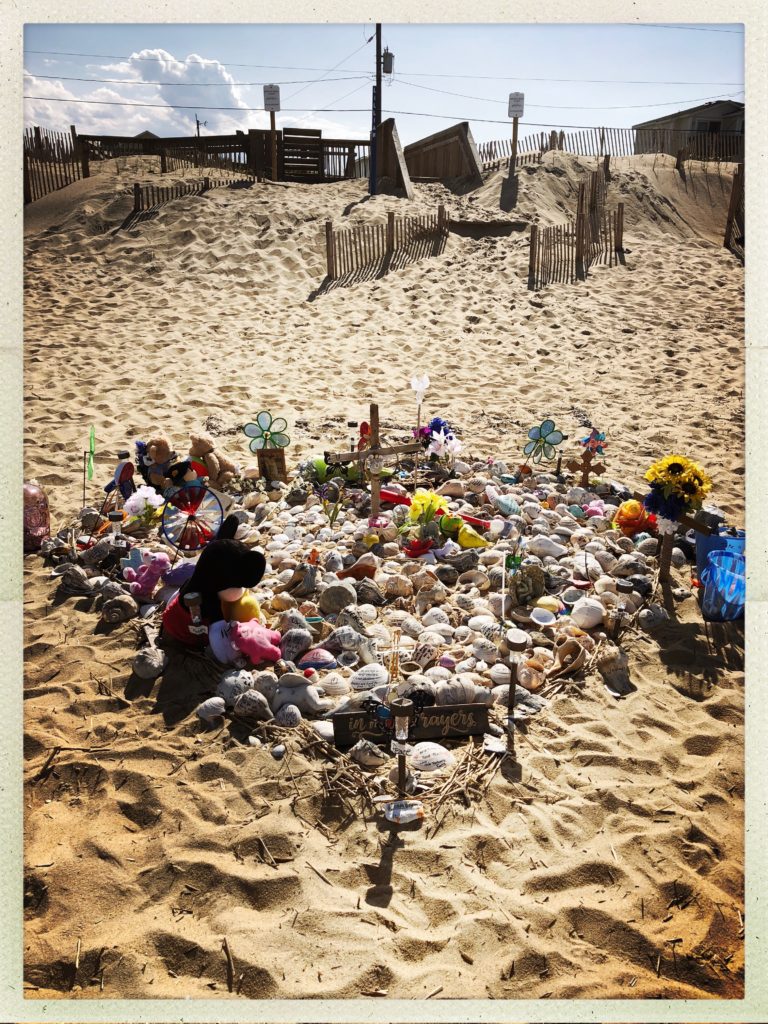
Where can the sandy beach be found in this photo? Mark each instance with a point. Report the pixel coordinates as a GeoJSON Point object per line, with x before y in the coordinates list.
{"type": "Point", "coordinates": [610, 863]}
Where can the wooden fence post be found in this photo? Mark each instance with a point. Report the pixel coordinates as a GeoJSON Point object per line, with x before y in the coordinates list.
{"type": "Point", "coordinates": [442, 220]}
{"type": "Point", "coordinates": [619, 240]}
{"type": "Point", "coordinates": [736, 189]}
{"type": "Point", "coordinates": [137, 204]}
{"type": "Point", "coordinates": [27, 182]}
{"type": "Point", "coordinates": [390, 233]}
{"type": "Point", "coordinates": [163, 160]}
{"type": "Point", "coordinates": [84, 156]}
{"type": "Point", "coordinates": [206, 184]}
{"type": "Point", "coordinates": [580, 216]}
{"type": "Point", "coordinates": [330, 254]}
{"type": "Point", "coordinates": [681, 154]}
{"type": "Point", "coordinates": [607, 166]}
{"type": "Point", "coordinates": [532, 251]}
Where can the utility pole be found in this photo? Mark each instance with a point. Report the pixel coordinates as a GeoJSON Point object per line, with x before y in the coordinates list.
{"type": "Point", "coordinates": [375, 114]}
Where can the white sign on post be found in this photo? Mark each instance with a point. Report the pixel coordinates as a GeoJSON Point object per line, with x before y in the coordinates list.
{"type": "Point", "coordinates": [271, 97]}
{"type": "Point", "coordinates": [516, 103]}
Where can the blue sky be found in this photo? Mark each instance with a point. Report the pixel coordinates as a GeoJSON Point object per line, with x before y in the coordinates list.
{"type": "Point", "coordinates": [443, 73]}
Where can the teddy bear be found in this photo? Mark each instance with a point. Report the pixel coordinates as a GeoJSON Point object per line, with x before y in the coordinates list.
{"type": "Point", "coordinates": [221, 469]}
{"type": "Point", "coordinates": [144, 579]}
{"type": "Point", "coordinates": [159, 457]}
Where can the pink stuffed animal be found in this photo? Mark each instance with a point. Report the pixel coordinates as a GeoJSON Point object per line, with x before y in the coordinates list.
{"type": "Point", "coordinates": [255, 641]}
{"type": "Point", "coordinates": [144, 579]}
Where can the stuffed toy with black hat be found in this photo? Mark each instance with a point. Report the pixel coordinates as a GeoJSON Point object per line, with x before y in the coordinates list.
{"type": "Point", "coordinates": [224, 572]}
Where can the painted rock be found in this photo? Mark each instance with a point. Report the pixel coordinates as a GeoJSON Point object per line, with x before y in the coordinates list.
{"type": "Point", "coordinates": [431, 757]}
{"type": "Point", "coordinates": [541, 546]}
{"type": "Point", "coordinates": [212, 708]}
{"type": "Point", "coordinates": [317, 658]}
{"type": "Point", "coordinates": [587, 613]}
{"type": "Point", "coordinates": [252, 704]}
{"type": "Point", "coordinates": [294, 643]}
{"type": "Point", "coordinates": [337, 596]}
{"type": "Point", "coordinates": [368, 676]}
{"type": "Point", "coordinates": [334, 685]}
{"type": "Point", "coordinates": [233, 684]}
{"type": "Point", "coordinates": [288, 716]}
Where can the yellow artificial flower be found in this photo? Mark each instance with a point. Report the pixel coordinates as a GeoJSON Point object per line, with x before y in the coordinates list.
{"type": "Point", "coordinates": [424, 505]}
{"type": "Point", "coordinates": [666, 470]}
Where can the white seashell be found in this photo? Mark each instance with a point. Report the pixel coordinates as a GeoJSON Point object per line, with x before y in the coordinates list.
{"type": "Point", "coordinates": [461, 690]}
{"type": "Point", "coordinates": [500, 674]}
{"type": "Point", "coordinates": [542, 545]}
{"type": "Point", "coordinates": [334, 685]}
{"type": "Point", "coordinates": [477, 622]}
{"type": "Point", "coordinates": [288, 716]}
{"type": "Point", "coordinates": [369, 676]}
{"type": "Point", "coordinates": [368, 754]}
{"type": "Point", "coordinates": [462, 633]}
{"type": "Point", "coordinates": [605, 584]}
{"type": "Point", "coordinates": [398, 586]}
{"type": "Point", "coordinates": [438, 672]}
{"type": "Point", "coordinates": [212, 708]}
{"type": "Point", "coordinates": [606, 560]}
{"type": "Point", "coordinates": [485, 650]}
{"type": "Point", "coordinates": [430, 757]}
{"type": "Point", "coordinates": [464, 601]}
{"type": "Point", "coordinates": [324, 730]}
{"type": "Point", "coordinates": [435, 616]}
{"type": "Point", "coordinates": [252, 704]}
{"type": "Point", "coordinates": [587, 613]}
{"type": "Point", "coordinates": [234, 683]}
{"type": "Point", "coordinates": [411, 626]}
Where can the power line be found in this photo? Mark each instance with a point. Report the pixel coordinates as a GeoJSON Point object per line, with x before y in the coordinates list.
{"type": "Point", "coordinates": [690, 28]}
{"type": "Point", "coordinates": [322, 77]}
{"type": "Point", "coordinates": [560, 106]}
{"type": "Point", "coordinates": [322, 110]}
{"type": "Point", "coordinates": [179, 106]}
{"type": "Point", "coordinates": [410, 74]}
{"type": "Point", "coordinates": [191, 85]}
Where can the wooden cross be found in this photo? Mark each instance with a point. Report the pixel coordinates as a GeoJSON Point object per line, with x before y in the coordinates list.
{"type": "Point", "coordinates": [585, 465]}
{"type": "Point", "coordinates": [665, 554]}
{"type": "Point", "coordinates": [373, 451]}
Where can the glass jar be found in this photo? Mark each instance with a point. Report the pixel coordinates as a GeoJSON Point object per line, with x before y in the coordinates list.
{"type": "Point", "coordinates": [37, 516]}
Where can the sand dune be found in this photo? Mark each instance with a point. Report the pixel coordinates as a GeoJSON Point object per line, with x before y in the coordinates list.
{"type": "Point", "coordinates": [624, 829]}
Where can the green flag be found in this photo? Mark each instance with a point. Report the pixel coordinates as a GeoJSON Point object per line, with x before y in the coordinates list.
{"type": "Point", "coordinates": [91, 451]}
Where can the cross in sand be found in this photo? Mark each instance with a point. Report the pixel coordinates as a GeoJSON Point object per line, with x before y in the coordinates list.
{"type": "Point", "coordinates": [373, 457]}
{"type": "Point", "coordinates": [665, 553]}
{"type": "Point", "coordinates": [585, 465]}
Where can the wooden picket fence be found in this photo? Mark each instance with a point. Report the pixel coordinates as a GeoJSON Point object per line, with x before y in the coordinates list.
{"type": "Point", "coordinates": [51, 161]}
{"type": "Point", "coordinates": [598, 142]}
{"type": "Point", "coordinates": [349, 250]}
{"type": "Point", "coordinates": [734, 225]}
{"type": "Point", "coordinates": [149, 197]}
{"type": "Point", "coordinates": [565, 252]}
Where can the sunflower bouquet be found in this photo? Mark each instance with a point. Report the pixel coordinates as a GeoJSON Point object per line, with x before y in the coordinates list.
{"type": "Point", "coordinates": [420, 527]}
{"type": "Point", "coordinates": [678, 486]}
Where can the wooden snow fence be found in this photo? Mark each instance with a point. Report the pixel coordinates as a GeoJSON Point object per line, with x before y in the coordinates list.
{"type": "Point", "coordinates": [349, 251]}
{"type": "Point", "coordinates": [52, 160]}
{"type": "Point", "coordinates": [150, 197]}
{"type": "Point", "coordinates": [717, 147]}
{"type": "Point", "coordinates": [734, 225]}
{"type": "Point", "coordinates": [565, 252]}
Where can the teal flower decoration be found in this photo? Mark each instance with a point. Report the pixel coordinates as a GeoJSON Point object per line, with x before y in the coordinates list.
{"type": "Point", "coordinates": [544, 438]}
{"type": "Point", "coordinates": [266, 432]}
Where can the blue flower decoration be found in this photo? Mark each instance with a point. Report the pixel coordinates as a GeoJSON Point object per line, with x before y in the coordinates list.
{"type": "Point", "coordinates": [544, 439]}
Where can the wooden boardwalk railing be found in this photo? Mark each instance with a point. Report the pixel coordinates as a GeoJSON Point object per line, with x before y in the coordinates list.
{"type": "Point", "coordinates": [352, 249]}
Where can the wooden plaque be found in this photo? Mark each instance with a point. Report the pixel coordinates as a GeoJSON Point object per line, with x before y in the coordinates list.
{"type": "Point", "coordinates": [272, 464]}
{"type": "Point", "coordinates": [431, 723]}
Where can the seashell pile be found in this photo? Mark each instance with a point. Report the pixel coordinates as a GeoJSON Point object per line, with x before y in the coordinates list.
{"type": "Point", "coordinates": [348, 601]}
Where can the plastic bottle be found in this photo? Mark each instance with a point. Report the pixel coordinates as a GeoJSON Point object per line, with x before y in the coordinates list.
{"type": "Point", "coordinates": [37, 516]}
{"type": "Point", "coordinates": [403, 811]}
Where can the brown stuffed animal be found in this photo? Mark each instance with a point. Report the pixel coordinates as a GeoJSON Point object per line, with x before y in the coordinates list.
{"type": "Point", "coordinates": [221, 469]}
{"type": "Point", "coordinates": [160, 456]}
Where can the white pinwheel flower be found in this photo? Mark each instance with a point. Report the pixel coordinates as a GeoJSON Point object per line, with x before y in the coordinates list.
{"type": "Point", "coordinates": [420, 385]}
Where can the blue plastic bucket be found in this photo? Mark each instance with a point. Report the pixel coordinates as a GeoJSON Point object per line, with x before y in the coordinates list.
{"type": "Point", "coordinates": [725, 586]}
{"type": "Point", "coordinates": [722, 541]}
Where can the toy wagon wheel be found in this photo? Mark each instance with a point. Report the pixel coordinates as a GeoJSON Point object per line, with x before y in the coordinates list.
{"type": "Point", "coordinates": [191, 518]}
